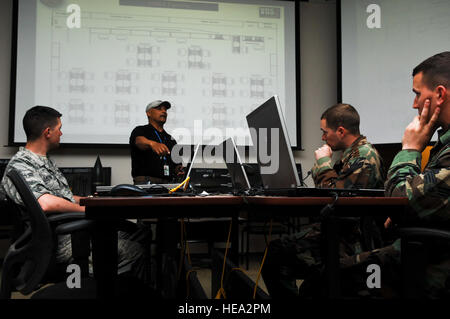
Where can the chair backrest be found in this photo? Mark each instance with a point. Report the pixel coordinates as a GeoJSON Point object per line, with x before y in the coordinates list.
{"type": "Point", "coordinates": [194, 289]}
{"type": "Point", "coordinates": [418, 247]}
{"type": "Point", "coordinates": [28, 258]}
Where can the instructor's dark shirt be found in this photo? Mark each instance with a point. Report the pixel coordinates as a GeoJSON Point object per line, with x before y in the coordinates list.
{"type": "Point", "coordinates": [148, 163]}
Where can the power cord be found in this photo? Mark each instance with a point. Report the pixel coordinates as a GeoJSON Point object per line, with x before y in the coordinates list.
{"type": "Point", "coordinates": [307, 175]}
{"type": "Point", "coordinates": [221, 293]}
{"type": "Point", "coordinates": [326, 212]}
{"type": "Point", "coordinates": [263, 260]}
{"type": "Point", "coordinates": [185, 183]}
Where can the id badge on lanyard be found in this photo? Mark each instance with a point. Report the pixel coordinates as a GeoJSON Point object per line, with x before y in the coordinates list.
{"type": "Point", "coordinates": [166, 166]}
{"type": "Point", "coordinates": [166, 170]}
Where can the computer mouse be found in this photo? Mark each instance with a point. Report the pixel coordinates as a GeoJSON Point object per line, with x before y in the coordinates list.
{"type": "Point", "coordinates": [127, 190]}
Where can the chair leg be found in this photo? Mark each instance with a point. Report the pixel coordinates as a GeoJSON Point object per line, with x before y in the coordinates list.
{"type": "Point", "coordinates": [247, 252]}
{"type": "Point", "coordinates": [241, 244]}
{"type": "Point", "coordinates": [6, 287]}
{"type": "Point", "coordinates": [414, 261]}
{"type": "Point", "coordinates": [80, 251]}
{"type": "Point", "coordinates": [5, 291]}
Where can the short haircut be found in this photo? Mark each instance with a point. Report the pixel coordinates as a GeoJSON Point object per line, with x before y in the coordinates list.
{"type": "Point", "coordinates": [37, 119]}
{"type": "Point", "coordinates": [436, 70]}
{"type": "Point", "coordinates": [343, 115]}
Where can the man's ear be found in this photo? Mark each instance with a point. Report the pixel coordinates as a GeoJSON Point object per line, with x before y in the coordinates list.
{"type": "Point", "coordinates": [341, 131]}
{"type": "Point", "coordinates": [441, 94]}
{"type": "Point", "coordinates": [47, 132]}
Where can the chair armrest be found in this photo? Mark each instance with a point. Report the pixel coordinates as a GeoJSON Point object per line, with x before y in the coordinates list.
{"type": "Point", "coordinates": [126, 226]}
{"type": "Point", "coordinates": [61, 217]}
{"type": "Point", "coordinates": [67, 223]}
{"type": "Point", "coordinates": [424, 233]}
{"type": "Point", "coordinates": [76, 221]}
{"type": "Point", "coordinates": [71, 227]}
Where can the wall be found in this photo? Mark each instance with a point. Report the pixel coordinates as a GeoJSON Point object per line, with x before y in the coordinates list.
{"type": "Point", "coordinates": [318, 75]}
{"type": "Point", "coordinates": [318, 89]}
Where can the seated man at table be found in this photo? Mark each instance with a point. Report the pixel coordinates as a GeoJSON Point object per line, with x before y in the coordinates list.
{"type": "Point", "coordinates": [360, 166]}
{"type": "Point", "coordinates": [428, 191]}
{"type": "Point", "coordinates": [42, 127]}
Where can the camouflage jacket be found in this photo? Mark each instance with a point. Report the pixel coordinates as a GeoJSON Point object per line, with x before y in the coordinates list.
{"type": "Point", "coordinates": [428, 191]}
{"type": "Point", "coordinates": [360, 167]}
{"type": "Point", "coordinates": [41, 174]}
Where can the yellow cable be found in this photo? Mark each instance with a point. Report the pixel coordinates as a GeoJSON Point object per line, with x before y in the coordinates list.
{"type": "Point", "coordinates": [187, 281]}
{"type": "Point", "coordinates": [184, 247]}
{"type": "Point", "coordinates": [184, 250]}
{"type": "Point", "coordinates": [188, 252]}
{"type": "Point", "coordinates": [185, 182]}
{"type": "Point", "coordinates": [221, 292]}
{"type": "Point", "coordinates": [262, 262]}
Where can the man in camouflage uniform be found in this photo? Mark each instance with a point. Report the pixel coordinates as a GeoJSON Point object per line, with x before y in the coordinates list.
{"type": "Point", "coordinates": [42, 126]}
{"type": "Point", "coordinates": [428, 191]}
{"type": "Point", "coordinates": [299, 256]}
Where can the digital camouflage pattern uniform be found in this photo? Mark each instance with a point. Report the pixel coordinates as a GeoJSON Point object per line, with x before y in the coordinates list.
{"type": "Point", "coordinates": [44, 177]}
{"type": "Point", "coordinates": [299, 256]}
{"type": "Point", "coordinates": [41, 174]}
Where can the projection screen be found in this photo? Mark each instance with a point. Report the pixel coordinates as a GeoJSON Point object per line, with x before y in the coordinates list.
{"type": "Point", "coordinates": [378, 56]}
{"type": "Point", "coordinates": [101, 62]}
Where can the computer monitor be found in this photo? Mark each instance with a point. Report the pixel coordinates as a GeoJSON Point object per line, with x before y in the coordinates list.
{"type": "Point", "coordinates": [271, 140]}
{"type": "Point", "coordinates": [234, 164]}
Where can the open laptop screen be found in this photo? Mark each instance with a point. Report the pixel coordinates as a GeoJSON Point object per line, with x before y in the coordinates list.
{"type": "Point", "coordinates": [274, 153]}
{"type": "Point", "coordinates": [192, 161]}
{"type": "Point", "coordinates": [234, 164]}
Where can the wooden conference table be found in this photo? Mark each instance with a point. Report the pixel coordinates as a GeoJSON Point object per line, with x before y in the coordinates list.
{"type": "Point", "coordinates": [107, 210]}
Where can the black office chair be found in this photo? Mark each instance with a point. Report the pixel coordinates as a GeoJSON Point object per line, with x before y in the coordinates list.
{"type": "Point", "coordinates": [8, 220]}
{"type": "Point", "coordinates": [255, 225]}
{"type": "Point", "coordinates": [189, 286]}
{"type": "Point", "coordinates": [236, 284]}
{"type": "Point", "coordinates": [31, 257]}
{"type": "Point", "coordinates": [30, 260]}
{"type": "Point", "coordinates": [261, 226]}
{"type": "Point", "coordinates": [419, 246]}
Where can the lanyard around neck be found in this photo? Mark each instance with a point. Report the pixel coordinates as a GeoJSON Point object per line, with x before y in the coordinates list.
{"type": "Point", "coordinates": [159, 137]}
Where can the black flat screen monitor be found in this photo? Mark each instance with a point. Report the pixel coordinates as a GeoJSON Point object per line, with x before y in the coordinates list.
{"type": "Point", "coordinates": [271, 142]}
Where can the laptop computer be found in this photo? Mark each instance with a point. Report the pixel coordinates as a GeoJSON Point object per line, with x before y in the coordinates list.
{"type": "Point", "coordinates": [191, 164]}
{"type": "Point", "coordinates": [154, 188]}
{"type": "Point", "coordinates": [278, 170]}
{"type": "Point", "coordinates": [173, 185]}
{"type": "Point", "coordinates": [234, 165]}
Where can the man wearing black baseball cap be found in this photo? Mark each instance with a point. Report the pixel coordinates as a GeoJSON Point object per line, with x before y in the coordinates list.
{"type": "Point", "coordinates": [151, 146]}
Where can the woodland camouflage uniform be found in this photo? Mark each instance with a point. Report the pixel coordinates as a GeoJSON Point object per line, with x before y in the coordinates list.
{"type": "Point", "coordinates": [299, 256]}
{"type": "Point", "coordinates": [359, 167]}
{"type": "Point", "coordinates": [428, 193]}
